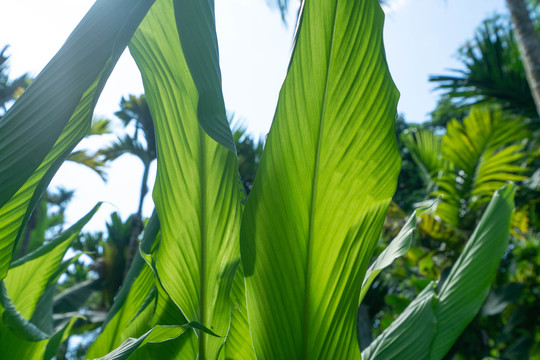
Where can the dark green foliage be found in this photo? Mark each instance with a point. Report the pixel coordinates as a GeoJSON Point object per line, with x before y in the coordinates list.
{"type": "Point", "coordinates": [249, 152]}
{"type": "Point", "coordinates": [410, 189]}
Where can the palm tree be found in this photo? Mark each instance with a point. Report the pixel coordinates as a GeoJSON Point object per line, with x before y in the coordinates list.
{"type": "Point", "coordinates": [493, 72]}
{"type": "Point", "coordinates": [9, 90]}
{"type": "Point", "coordinates": [529, 44]}
{"type": "Point", "coordinates": [472, 160]}
{"type": "Point", "coordinates": [141, 143]}
{"type": "Point", "coordinates": [526, 37]}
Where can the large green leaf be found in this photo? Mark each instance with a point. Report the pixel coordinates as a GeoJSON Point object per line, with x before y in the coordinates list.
{"type": "Point", "coordinates": [325, 181]}
{"type": "Point", "coordinates": [41, 129]}
{"type": "Point", "coordinates": [434, 320]}
{"type": "Point", "coordinates": [196, 192]}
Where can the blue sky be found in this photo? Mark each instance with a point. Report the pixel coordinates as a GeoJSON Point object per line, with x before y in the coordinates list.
{"type": "Point", "coordinates": [421, 38]}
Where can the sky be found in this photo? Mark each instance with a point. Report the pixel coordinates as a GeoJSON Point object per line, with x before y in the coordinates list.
{"type": "Point", "coordinates": [421, 39]}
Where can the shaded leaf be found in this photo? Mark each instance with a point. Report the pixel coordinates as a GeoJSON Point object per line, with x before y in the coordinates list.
{"type": "Point", "coordinates": [434, 320]}
{"type": "Point", "coordinates": [43, 126]}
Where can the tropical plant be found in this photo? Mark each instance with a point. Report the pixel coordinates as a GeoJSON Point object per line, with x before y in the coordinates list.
{"type": "Point", "coordinates": [140, 143]}
{"type": "Point", "coordinates": [433, 321]}
{"type": "Point", "coordinates": [467, 164]}
{"type": "Point", "coordinates": [279, 278]}
{"type": "Point", "coordinates": [9, 90]}
{"type": "Point", "coordinates": [462, 167]}
{"type": "Point", "coordinates": [493, 71]}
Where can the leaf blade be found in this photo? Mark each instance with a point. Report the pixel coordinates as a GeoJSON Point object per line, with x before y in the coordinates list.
{"type": "Point", "coordinates": [303, 267]}
{"type": "Point", "coordinates": [196, 192]}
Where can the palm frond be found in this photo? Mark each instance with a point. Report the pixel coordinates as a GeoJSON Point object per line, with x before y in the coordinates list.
{"type": "Point", "coordinates": [493, 72]}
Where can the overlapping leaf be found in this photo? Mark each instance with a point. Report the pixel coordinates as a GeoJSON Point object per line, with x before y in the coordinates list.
{"type": "Point", "coordinates": [28, 289]}
{"type": "Point", "coordinates": [434, 320]}
{"type": "Point", "coordinates": [158, 334]}
{"type": "Point", "coordinates": [54, 113]}
{"type": "Point", "coordinates": [136, 289]}
{"type": "Point", "coordinates": [325, 181]}
{"type": "Point", "coordinates": [398, 247]}
{"type": "Point", "coordinates": [196, 192]}
{"type": "Point", "coordinates": [238, 344]}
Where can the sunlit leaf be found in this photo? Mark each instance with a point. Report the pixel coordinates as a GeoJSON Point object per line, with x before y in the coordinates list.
{"type": "Point", "coordinates": [136, 287]}
{"type": "Point", "coordinates": [325, 181]}
{"type": "Point", "coordinates": [196, 192]}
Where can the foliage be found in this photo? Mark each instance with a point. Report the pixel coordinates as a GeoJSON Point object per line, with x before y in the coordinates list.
{"type": "Point", "coordinates": [493, 71]}
{"type": "Point", "coordinates": [430, 324]}
{"type": "Point", "coordinates": [288, 267]}
{"type": "Point", "coordinates": [9, 90]}
{"type": "Point", "coordinates": [472, 160]}
{"type": "Point", "coordinates": [410, 188]}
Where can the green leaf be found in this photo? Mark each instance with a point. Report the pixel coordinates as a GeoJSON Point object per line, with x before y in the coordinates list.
{"type": "Point", "coordinates": [43, 126]}
{"type": "Point", "coordinates": [20, 326]}
{"type": "Point", "coordinates": [196, 192]}
{"type": "Point", "coordinates": [14, 347]}
{"type": "Point", "coordinates": [398, 247]}
{"type": "Point", "coordinates": [432, 322]}
{"type": "Point", "coordinates": [325, 181]}
{"type": "Point", "coordinates": [58, 338]}
{"type": "Point", "coordinates": [30, 275]}
{"type": "Point", "coordinates": [409, 336]}
{"type": "Point", "coordinates": [167, 313]}
{"type": "Point", "coordinates": [195, 21]}
{"type": "Point", "coordinates": [484, 156]}
{"type": "Point", "coordinates": [137, 285]}
{"type": "Point", "coordinates": [198, 326]}
{"type": "Point", "coordinates": [426, 151]}
{"type": "Point", "coordinates": [238, 343]}
{"type": "Point", "coordinates": [74, 297]}
{"type": "Point", "coordinates": [157, 335]}
{"type": "Point", "coordinates": [26, 293]}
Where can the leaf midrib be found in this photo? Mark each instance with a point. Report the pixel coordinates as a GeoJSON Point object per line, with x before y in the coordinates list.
{"type": "Point", "coordinates": [314, 192]}
{"type": "Point", "coordinates": [202, 290]}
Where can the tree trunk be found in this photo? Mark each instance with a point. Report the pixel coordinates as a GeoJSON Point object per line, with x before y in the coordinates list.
{"type": "Point", "coordinates": [363, 327]}
{"type": "Point", "coordinates": [529, 45]}
{"type": "Point", "coordinates": [136, 224]}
